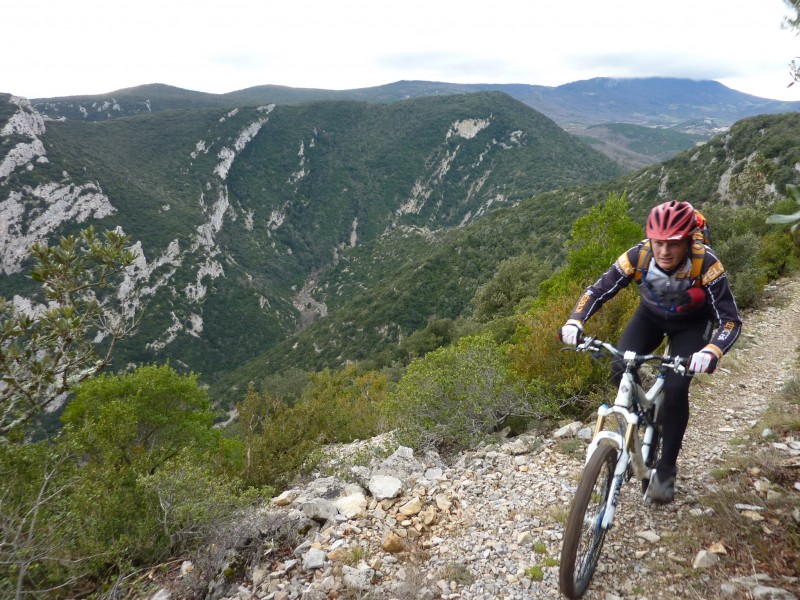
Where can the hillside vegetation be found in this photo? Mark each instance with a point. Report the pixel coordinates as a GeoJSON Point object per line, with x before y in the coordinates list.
{"type": "Point", "coordinates": [235, 212]}
{"type": "Point", "coordinates": [377, 288]}
{"type": "Point", "coordinates": [139, 474]}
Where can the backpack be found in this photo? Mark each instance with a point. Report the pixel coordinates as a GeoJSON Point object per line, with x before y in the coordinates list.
{"type": "Point", "coordinates": [701, 237]}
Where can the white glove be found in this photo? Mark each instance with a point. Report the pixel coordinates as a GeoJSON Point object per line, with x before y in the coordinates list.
{"type": "Point", "coordinates": [704, 361]}
{"type": "Point", "coordinates": [571, 332]}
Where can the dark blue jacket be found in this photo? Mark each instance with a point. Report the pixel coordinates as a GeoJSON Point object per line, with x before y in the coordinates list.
{"type": "Point", "coordinates": [669, 295]}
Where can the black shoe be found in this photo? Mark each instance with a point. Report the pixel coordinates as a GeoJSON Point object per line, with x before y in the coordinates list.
{"type": "Point", "coordinates": [661, 489]}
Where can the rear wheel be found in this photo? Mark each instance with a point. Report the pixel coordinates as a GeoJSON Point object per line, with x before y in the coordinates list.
{"type": "Point", "coordinates": [584, 534]}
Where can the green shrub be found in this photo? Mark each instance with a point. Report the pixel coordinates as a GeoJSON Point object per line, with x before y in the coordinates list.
{"type": "Point", "coordinates": [150, 474]}
{"type": "Point", "coordinates": [597, 240]}
{"type": "Point", "coordinates": [34, 548]}
{"type": "Point", "coordinates": [778, 255]}
{"type": "Point", "coordinates": [192, 500]}
{"type": "Point", "coordinates": [567, 377]}
{"type": "Point", "coordinates": [454, 397]}
{"type": "Point", "coordinates": [337, 406]}
{"type": "Point", "coordinates": [140, 419]}
{"type": "Point", "coordinates": [516, 278]}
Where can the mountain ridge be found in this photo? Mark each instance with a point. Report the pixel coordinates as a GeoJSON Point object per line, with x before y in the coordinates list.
{"type": "Point", "coordinates": [584, 102]}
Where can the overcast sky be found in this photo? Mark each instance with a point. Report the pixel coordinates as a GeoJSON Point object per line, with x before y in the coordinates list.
{"type": "Point", "coordinates": [68, 47]}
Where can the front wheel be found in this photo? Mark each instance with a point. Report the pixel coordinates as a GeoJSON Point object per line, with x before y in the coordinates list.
{"type": "Point", "coordinates": [584, 534]}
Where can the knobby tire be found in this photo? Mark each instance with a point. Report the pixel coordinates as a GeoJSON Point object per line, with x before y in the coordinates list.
{"type": "Point", "coordinates": [583, 535]}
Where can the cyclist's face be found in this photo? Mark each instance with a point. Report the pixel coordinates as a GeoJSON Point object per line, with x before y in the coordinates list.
{"type": "Point", "coordinates": [669, 253]}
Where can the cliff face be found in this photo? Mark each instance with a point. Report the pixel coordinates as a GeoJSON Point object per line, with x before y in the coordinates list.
{"type": "Point", "coordinates": [31, 213]}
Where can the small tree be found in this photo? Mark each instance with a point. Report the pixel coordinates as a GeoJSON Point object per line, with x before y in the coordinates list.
{"type": "Point", "coordinates": [336, 406]}
{"type": "Point", "coordinates": [516, 278]}
{"type": "Point", "coordinates": [751, 186]}
{"type": "Point", "coordinates": [35, 478]}
{"type": "Point", "coordinates": [45, 352]}
{"type": "Point", "coordinates": [133, 433]}
{"type": "Point", "coordinates": [597, 240]}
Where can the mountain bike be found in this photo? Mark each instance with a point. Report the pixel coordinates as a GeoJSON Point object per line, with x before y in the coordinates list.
{"type": "Point", "coordinates": [626, 445]}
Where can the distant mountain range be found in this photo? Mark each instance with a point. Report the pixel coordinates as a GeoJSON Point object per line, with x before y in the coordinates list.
{"type": "Point", "coordinates": [652, 102]}
{"type": "Point", "coordinates": [662, 116]}
{"type": "Point", "coordinates": [236, 212]}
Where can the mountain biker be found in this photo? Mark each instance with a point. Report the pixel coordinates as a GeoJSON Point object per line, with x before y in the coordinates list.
{"type": "Point", "coordinates": [684, 290]}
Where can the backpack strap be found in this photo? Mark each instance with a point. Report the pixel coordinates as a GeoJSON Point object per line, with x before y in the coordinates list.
{"type": "Point", "coordinates": [645, 254]}
{"type": "Point", "coordinates": [698, 254]}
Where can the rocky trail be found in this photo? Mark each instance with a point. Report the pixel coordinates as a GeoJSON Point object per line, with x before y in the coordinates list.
{"type": "Point", "coordinates": [489, 526]}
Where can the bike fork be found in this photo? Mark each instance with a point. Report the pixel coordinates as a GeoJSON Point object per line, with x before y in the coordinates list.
{"type": "Point", "coordinates": [616, 486]}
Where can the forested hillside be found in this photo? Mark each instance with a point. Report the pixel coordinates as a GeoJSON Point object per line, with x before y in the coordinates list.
{"type": "Point", "coordinates": [416, 278]}
{"type": "Point", "coordinates": [233, 213]}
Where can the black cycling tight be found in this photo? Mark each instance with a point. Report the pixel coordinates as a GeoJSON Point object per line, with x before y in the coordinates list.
{"type": "Point", "coordinates": [643, 334]}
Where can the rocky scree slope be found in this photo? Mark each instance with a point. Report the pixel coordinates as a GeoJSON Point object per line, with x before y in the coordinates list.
{"type": "Point", "coordinates": [489, 525]}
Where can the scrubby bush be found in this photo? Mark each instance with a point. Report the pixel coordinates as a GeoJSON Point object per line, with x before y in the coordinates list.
{"type": "Point", "coordinates": [280, 440]}
{"type": "Point", "coordinates": [133, 432]}
{"type": "Point", "coordinates": [457, 395]}
{"type": "Point", "coordinates": [567, 378]}
{"type": "Point", "coordinates": [516, 278]}
{"type": "Point", "coordinates": [597, 240]}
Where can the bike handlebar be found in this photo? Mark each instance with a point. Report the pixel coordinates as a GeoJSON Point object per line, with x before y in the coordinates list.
{"type": "Point", "coordinates": [678, 364]}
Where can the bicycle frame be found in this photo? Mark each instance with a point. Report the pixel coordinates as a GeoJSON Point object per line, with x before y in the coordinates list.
{"type": "Point", "coordinates": [612, 458]}
{"type": "Point", "coordinates": [632, 451]}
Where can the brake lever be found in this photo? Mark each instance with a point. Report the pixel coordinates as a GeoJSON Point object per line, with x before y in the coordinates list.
{"type": "Point", "coordinates": [680, 365]}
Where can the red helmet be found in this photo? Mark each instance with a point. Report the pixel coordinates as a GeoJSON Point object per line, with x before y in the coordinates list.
{"type": "Point", "coordinates": [672, 220]}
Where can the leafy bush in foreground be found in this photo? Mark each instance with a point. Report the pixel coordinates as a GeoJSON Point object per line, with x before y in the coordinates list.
{"type": "Point", "coordinates": [280, 440]}
{"type": "Point", "coordinates": [455, 396]}
{"type": "Point", "coordinates": [136, 476]}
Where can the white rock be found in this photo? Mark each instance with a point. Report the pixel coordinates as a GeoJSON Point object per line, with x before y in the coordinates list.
{"type": "Point", "coordinates": [761, 592]}
{"type": "Point", "coordinates": [411, 508]}
{"type": "Point", "coordinates": [357, 579]}
{"type": "Point", "coordinates": [313, 559]}
{"type": "Point", "coordinates": [320, 509]}
{"type": "Point", "coordinates": [385, 486]}
{"type": "Point", "coordinates": [568, 430]}
{"type": "Point", "coordinates": [351, 506]}
{"type": "Point", "coordinates": [443, 503]}
{"type": "Point", "coordinates": [434, 473]}
{"type": "Point", "coordinates": [650, 536]}
{"type": "Point", "coordinates": [705, 560]}
{"type": "Point", "coordinates": [286, 498]}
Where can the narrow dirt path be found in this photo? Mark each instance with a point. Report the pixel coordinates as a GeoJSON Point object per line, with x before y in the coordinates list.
{"type": "Point", "coordinates": [723, 407]}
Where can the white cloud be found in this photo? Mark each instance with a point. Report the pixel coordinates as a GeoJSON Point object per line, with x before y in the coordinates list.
{"type": "Point", "coordinates": [89, 46]}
